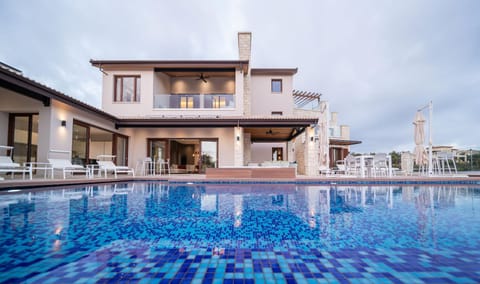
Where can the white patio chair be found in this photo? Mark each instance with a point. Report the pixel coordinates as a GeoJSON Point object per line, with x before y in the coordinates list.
{"type": "Point", "coordinates": [351, 166]}
{"type": "Point", "coordinates": [380, 164]}
{"type": "Point", "coordinates": [109, 166]}
{"type": "Point", "coordinates": [66, 167]}
{"type": "Point", "coordinates": [8, 166]}
{"type": "Point", "coordinates": [444, 159]}
{"type": "Point", "coordinates": [340, 164]}
{"type": "Point", "coordinates": [146, 166]}
{"type": "Point", "coordinates": [164, 165]}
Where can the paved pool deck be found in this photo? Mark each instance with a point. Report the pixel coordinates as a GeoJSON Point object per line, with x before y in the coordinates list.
{"type": "Point", "coordinates": [464, 179]}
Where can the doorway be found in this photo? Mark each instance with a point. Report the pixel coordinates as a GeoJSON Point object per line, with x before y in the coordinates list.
{"type": "Point", "coordinates": [88, 142]}
{"type": "Point", "coordinates": [23, 136]}
{"type": "Point", "coordinates": [186, 155]}
{"type": "Point", "coordinates": [277, 153]}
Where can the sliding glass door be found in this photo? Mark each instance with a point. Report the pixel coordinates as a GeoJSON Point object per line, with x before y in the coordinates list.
{"type": "Point", "coordinates": [81, 135]}
{"type": "Point", "coordinates": [101, 143]}
{"type": "Point", "coordinates": [209, 155]}
{"type": "Point", "coordinates": [122, 150]}
{"type": "Point", "coordinates": [88, 142]}
{"type": "Point", "coordinates": [157, 149]}
{"type": "Point", "coordinates": [186, 155]}
{"type": "Point", "coordinates": [23, 136]}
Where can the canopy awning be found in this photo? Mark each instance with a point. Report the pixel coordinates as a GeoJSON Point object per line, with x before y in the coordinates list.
{"type": "Point", "coordinates": [261, 129]}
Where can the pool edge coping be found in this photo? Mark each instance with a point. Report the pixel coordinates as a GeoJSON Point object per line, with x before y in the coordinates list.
{"type": "Point", "coordinates": [434, 181]}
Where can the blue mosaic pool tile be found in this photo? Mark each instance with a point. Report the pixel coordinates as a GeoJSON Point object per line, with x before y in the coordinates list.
{"type": "Point", "coordinates": [301, 272]}
{"type": "Point", "coordinates": [131, 251]}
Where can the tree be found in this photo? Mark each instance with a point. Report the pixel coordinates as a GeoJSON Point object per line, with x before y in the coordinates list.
{"type": "Point", "coordinates": [396, 159]}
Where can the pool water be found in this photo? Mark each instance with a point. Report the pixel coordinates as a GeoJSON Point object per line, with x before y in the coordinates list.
{"type": "Point", "coordinates": [232, 233]}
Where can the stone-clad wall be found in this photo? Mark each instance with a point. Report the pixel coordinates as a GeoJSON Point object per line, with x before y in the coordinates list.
{"type": "Point", "coordinates": [244, 51]}
{"type": "Point", "coordinates": [299, 151]}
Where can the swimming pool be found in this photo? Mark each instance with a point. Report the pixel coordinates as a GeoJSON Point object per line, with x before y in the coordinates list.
{"type": "Point", "coordinates": [215, 233]}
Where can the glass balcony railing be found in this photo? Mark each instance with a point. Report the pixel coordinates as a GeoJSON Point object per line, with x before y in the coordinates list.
{"type": "Point", "coordinates": [335, 131]}
{"type": "Point", "coordinates": [185, 101]}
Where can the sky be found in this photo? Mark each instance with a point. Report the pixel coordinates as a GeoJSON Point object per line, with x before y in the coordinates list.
{"type": "Point", "coordinates": [375, 61]}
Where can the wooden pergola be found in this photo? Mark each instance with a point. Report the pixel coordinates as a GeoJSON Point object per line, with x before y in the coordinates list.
{"type": "Point", "coordinates": [301, 98]}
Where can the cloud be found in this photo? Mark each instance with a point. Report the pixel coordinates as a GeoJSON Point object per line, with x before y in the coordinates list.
{"type": "Point", "coordinates": [375, 61]}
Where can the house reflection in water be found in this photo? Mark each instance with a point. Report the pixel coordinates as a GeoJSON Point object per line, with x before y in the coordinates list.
{"type": "Point", "coordinates": [213, 213]}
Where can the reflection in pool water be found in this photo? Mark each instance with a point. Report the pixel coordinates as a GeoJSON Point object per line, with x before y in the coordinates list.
{"type": "Point", "coordinates": [159, 231]}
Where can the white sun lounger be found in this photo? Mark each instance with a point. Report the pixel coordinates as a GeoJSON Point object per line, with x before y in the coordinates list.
{"type": "Point", "coordinates": [8, 166]}
{"type": "Point", "coordinates": [109, 166]}
{"type": "Point", "coordinates": [67, 167]}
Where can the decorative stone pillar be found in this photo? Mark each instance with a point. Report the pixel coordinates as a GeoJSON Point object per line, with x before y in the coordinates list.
{"type": "Point", "coordinates": [299, 146]}
{"type": "Point", "coordinates": [291, 152]}
{"type": "Point", "coordinates": [311, 153]}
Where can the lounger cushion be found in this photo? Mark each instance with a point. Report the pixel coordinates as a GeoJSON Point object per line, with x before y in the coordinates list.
{"type": "Point", "coordinates": [6, 162]}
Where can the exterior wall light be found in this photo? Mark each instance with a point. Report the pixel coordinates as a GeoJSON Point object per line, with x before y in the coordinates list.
{"type": "Point", "coordinates": [238, 137]}
{"type": "Point", "coordinates": [311, 138]}
{"type": "Point", "coordinates": [63, 123]}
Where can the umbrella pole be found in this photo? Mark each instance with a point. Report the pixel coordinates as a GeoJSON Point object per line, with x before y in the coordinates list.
{"type": "Point", "coordinates": [430, 146]}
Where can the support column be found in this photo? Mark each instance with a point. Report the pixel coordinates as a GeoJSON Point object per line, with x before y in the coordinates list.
{"type": "Point", "coordinates": [247, 148]}
{"type": "Point", "coordinates": [44, 133]}
{"type": "Point", "coordinates": [291, 152]}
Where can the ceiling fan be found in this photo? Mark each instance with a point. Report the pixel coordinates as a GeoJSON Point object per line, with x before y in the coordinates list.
{"type": "Point", "coordinates": [270, 132]}
{"type": "Point", "coordinates": [203, 77]}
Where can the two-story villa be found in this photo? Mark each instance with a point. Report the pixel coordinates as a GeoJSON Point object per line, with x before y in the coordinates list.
{"type": "Point", "coordinates": [196, 114]}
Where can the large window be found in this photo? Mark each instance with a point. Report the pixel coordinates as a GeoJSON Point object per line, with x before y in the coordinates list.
{"type": "Point", "coordinates": [127, 89]}
{"type": "Point", "coordinates": [189, 155]}
{"type": "Point", "coordinates": [186, 102]}
{"type": "Point", "coordinates": [209, 154]}
{"type": "Point", "coordinates": [101, 143]}
{"type": "Point", "coordinates": [88, 142]}
{"type": "Point", "coordinates": [276, 85]}
{"type": "Point", "coordinates": [219, 101]}
{"type": "Point", "coordinates": [23, 136]}
{"type": "Point", "coordinates": [81, 133]}
{"type": "Point", "coordinates": [122, 150]}
{"type": "Point", "coordinates": [203, 101]}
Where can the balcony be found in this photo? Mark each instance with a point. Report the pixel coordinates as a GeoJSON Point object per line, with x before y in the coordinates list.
{"type": "Point", "coordinates": [194, 101]}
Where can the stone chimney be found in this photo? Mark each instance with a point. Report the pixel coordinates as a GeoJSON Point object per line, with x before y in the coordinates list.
{"type": "Point", "coordinates": [244, 53]}
{"type": "Point", "coordinates": [244, 45]}
{"type": "Point", "coordinates": [333, 118]}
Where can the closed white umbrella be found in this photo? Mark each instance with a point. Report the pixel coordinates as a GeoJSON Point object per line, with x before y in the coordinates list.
{"type": "Point", "coordinates": [324, 159]}
{"type": "Point", "coordinates": [419, 136]}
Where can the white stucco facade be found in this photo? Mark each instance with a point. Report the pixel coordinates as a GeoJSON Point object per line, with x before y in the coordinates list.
{"type": "Point", "coordinates": [225, 101]}
{"type": "Point", "coordinates": [266, 102]}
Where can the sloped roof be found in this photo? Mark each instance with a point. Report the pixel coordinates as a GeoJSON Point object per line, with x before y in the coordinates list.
{"type": "Point", "coordinates": [274, 71]}
{"type": "Point", "coordinates": [16, 81]}
{"type": "Point", "coordinates": [206, 64]}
